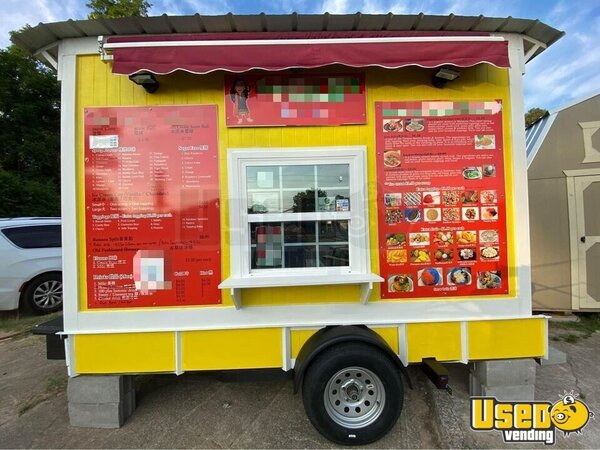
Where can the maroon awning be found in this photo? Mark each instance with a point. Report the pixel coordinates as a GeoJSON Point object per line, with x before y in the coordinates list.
{"type": "Point", "coordinates": [239, 52]}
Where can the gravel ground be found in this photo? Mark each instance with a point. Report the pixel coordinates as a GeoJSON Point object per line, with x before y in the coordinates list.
{"type": "Point", "coordinates": [257, 409]}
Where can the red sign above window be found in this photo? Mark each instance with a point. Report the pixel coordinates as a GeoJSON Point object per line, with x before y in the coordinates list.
{"type": "Point", "coordinates": [287, 99]}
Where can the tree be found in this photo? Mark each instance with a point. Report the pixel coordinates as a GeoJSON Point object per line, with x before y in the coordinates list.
{"type": "Point", "coordinates": [110, 9]}
{"type": "Point", "coordinates": [30, 131]}
{"type": "Point", "coordinates": [533, 115]}
{"type": "Point", "coordinates": [23, 197]}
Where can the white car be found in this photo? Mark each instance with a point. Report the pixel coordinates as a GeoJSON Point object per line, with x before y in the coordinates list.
{"type": "Point", "coordinates": [31, 264]}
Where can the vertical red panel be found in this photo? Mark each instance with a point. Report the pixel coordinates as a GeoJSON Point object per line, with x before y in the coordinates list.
{"type": "Point", "coordinates": [152, 218]}
{"type": "Point", "coordinates": [441, 199]}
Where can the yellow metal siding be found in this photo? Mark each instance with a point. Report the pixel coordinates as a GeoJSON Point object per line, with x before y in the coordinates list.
{"type": "Point", "coordinates": [231, 349]}
{"type": "Point", "coordinates": [262, 348]}
{"type": "Point", "coordinates": [124, 353]}
{"type": "Point", "coordinates": [297, 339]}
{"type": "Point", "coordinates": [96, 87]}
{"type": "Point", "coordinates": [441, 341]}
{"type": "Point", "coordinates": [502, 339]}
{"type": "Point", "coordinates": [389, 335]}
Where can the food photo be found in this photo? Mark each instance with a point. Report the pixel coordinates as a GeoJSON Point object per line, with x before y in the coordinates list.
{"type": "Point", "coordinates": [430, 276]}
{"type": "Point", "coordinates": [489, 213]}
{"type": "Point", "coordinates": [489, 253]}
{"type": "Point", "coordinates": [466, 237]}
{"type": "Point", "coordinates": [412, 215]}
{"type": "Point", "coordinates": [400, 283]}
{"type": "Point", "coordinates": [395, 240]}
{"type": "Point", "coordinates": [393, 216]}
{"type": "Point", "coordinates": [443, 254]}
{"type": "Point", "coordinates": [392, 159]}
{"type": "Point", "coordinates": [420, 256]}
{"type": "Point", "coordinates": [489, 280]}
{"type": "Point", "coordinates": [392, 200]}
{"type": "Point", "coordinates": [431, 198]}
{"type": "Point", "coordinates": [415, 125]}
{"type": "Point", "coordinates": [432, 214]}
{"type": "Point", "coordinates": [467, 254]}
{"type": "Point", "coordinates": [472, 173]}
{"type": "Point", "coordinates": [486, 236]}
{"type": "Point", "coordinates": [485, 142]}
{"type": "Point", "coordinates": [459, 276]}
{"type": "Point", "coordinates": [390, 126]}
{"type": "Point", "coordinates": [396, 256]}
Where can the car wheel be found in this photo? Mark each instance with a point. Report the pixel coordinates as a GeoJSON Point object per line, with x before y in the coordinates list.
{"type": "Point", "coordinates": [353, 393]}
{"type": "Point", "coordinates": [44, 294]}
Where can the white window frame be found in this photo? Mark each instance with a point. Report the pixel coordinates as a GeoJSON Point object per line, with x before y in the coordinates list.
{"type": "Point", "coordinates": [359, 270]}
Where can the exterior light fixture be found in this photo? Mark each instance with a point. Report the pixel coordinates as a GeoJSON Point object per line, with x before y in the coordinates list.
{"type": "Point", "coordinates": [146, 80]}
{"type": "Point", "coordinates": [443, 75]}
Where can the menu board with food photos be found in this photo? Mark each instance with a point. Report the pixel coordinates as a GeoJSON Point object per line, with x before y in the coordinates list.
{"type": "Point", "coordinates": [441, 199]}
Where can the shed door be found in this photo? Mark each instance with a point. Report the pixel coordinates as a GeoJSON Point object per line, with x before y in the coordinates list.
{"type": "Point", "coordinates": [587, 200]}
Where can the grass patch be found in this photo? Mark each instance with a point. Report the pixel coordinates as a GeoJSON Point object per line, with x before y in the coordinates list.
{"type": "Point", "coordinates": [572, 338]}
{"type": "Point", "coordinates": [24, 324]}
{"type": "Point", "coordinates": [587, 325]}
{"type": "Point", "coordinates": [54, 385]}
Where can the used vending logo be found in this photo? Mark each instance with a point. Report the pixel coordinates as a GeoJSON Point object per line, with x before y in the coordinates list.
{"type": "Point", "coordinates": [530, 421]}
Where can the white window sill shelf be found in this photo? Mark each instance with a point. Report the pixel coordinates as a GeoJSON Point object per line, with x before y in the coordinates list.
{"type": "Point", "coordinates": [236, 284]}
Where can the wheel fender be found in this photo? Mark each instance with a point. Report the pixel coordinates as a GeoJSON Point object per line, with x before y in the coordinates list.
{"type": "Point", "coordinates": [329, 336]}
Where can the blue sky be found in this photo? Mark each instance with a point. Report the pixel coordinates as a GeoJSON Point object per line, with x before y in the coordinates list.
{"type": "Point", "coordinates": [567, 71]}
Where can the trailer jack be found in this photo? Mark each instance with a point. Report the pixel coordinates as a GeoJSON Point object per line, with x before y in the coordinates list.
{"type": "Point", "coordinates": [437, 373]}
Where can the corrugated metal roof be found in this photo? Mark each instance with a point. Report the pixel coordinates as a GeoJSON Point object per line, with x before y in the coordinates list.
{"type": "Point", "coordinates": [535, 135]}
{"type": "Point", "coordinates": [44, 36]}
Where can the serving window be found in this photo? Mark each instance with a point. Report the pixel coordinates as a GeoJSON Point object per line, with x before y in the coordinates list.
{"type": "Point", "coordinates": [285, 190]}
{"type": "Point", "coordinates": [298, 212]}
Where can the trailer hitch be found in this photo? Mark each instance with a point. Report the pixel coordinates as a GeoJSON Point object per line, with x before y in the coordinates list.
{"type": "Point", "coordinates": [437, 373]}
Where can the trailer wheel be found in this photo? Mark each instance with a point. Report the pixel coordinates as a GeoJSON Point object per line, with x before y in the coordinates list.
{"type": "Point", "coordinates": [352, 393]}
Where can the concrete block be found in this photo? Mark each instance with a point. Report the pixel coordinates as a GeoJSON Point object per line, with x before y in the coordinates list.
{"type": "Point", "coordinates": [96, 415]}
{"type": "Point", "coordinates": [555, 356]}
{"type": "Point", "coordinates": [525, 392]}
{"type": "Point", "coordinates": [508, 372]}
{"type": "Point", "coordinates": [100, 401]}
{"type": "Point", "coordinates": [99, 388]}
{"type": "Point", "coordinates": [129, 404]}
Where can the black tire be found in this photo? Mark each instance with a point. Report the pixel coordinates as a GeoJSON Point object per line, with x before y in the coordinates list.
{"type": "Point", "coordinates": [348, 365]}
{"type": "Point", "coordinates": [44, 293]}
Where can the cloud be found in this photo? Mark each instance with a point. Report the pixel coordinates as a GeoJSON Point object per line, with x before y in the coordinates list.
{"type": "Point", "coordinates": [568, 70]}
{"type": "Point", "coordinates": [335, 6]}
{"type": "Point", "coordinates": [189, 7]}
{"type": "Point", "coordinates": [14, 15]}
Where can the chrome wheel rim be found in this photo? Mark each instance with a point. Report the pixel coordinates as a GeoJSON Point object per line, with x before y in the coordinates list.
{"type": "Point", "coordinates": [48, 294]}
{"type": "Point", "coordinates": [354, 397]}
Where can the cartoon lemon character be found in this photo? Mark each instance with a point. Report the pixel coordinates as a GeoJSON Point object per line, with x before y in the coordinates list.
{"type": "Point", "coordinates": [570, 415]}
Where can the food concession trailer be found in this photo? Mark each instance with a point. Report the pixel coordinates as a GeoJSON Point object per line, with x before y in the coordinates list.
{"type": "Point", "coordinates": [341, 195]}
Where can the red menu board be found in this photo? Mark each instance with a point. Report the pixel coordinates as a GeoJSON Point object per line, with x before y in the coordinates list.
{"type": "Point", "coordinates": [441, 199]}
{"type": "Point", "coordinates": [152, 206]}
{"type": "Point", "coordinates": [298, 100]}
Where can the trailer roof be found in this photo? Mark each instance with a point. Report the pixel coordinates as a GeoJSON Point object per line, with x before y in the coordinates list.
{"type": "Point", "coordinates": [43, 38]}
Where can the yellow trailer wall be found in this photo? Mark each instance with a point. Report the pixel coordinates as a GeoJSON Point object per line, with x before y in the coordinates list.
{"type": "Point", "coordinates": [96, 86]}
